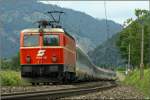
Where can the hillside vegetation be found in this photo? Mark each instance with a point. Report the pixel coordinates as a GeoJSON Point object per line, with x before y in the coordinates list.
{"type": "Point", "coordinates": [133, 79]}
{"type": "Point", "coordinates": [131, 34]}
{"type": "Point", "coordinates": [114, 52]}
{"type": "Point", "coordinates": [107, 54]}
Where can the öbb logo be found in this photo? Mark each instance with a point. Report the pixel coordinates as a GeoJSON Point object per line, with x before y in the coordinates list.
{"type": "Point", "coordinates": [41, 53]}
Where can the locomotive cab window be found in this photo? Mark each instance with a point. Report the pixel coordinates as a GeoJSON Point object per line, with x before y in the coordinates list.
{"type": "Point", "coordinates": [51, 40]}
{"type": "Point", "coordinates": [31, 40]}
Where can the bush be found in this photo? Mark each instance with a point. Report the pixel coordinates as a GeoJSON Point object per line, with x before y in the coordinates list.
{"type": "Point", "coordinates": [11, 78]}
{"type": "Point", "coordinates": [121, 69]}
{"type": "Point", "coordinates": [11, 63]}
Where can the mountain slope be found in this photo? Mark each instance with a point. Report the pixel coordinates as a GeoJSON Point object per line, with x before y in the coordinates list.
{"type": "Point", "coordinates": [19, 14]}
{"type": "Point", "coordinates": [107, 54]}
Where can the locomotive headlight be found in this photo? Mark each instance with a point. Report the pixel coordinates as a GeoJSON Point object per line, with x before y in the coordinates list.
{"type": "Point", "coordinates": [28, 59]}
{"type": "Point", "coordinates": [54, 59]}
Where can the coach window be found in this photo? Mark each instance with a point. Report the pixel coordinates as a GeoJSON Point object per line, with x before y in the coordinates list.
{"type": "Point", "coordinates": [51, 40]}
{"type": "Point", "coordinates": [31, 40]}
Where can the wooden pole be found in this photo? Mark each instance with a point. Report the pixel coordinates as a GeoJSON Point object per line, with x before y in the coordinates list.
{"type": "Point", "coordinates": [129, 56]}
{"type": "Point", "coordinates": [142, 54]}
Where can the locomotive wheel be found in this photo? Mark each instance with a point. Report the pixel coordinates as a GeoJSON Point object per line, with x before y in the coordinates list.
{"type": "Point", "coordinates": [44, 83]}
{"type": "Point", "coordinates": [67, 78]}
{"type": "Point", "coordinates": [60, 77]}
{"type": "Point", "coordinates": [55, 83]}
{"type": "Point", "coordinates": [33, 83]}
{"type": "Point", "coordinates": [47, 83]}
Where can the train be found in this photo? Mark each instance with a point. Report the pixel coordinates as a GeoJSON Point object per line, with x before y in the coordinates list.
{"type": "Point", "coordinates": [50, 54]}
{"type": "Point", "coordinates": [87, 71]}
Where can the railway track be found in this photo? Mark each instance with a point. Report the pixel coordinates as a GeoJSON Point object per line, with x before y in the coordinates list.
{"type": "Point", "coordinates": [56, 94]}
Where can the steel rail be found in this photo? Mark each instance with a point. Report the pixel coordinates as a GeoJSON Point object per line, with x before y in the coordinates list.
{"type": "Point", "coordinates": [55, 94]}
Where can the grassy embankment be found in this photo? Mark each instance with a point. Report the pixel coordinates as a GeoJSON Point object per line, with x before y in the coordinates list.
{"type": "Point", "coordinates": [143, 85]}
{"type": "Point", "coordinates": [11, 78]}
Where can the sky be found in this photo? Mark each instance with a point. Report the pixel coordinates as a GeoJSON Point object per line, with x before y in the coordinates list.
{"type": "Point", "coordinates": [117, 11]}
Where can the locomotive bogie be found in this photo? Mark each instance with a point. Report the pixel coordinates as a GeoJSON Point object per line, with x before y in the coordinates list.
{"type": "Point", "coordinates": [46, 73]}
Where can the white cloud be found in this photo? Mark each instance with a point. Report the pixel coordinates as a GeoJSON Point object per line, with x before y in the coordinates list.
{"type": "Point", "coordinates": [116, 10]}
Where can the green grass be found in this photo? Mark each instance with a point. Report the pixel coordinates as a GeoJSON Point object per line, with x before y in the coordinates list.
{"type": "Point", "coordinates": [11, 78]}
{"type": "Point", "coordinates": [143, 85]}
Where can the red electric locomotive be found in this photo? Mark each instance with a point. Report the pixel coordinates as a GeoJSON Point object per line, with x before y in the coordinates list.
{"type": "Point", "coordinates": [47, 54]}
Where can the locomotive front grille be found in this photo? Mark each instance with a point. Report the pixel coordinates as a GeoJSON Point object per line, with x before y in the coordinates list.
{"type": "Point", "coordinates": [53, 68]}
{"type": "Point", "coordinates": [40, 70]}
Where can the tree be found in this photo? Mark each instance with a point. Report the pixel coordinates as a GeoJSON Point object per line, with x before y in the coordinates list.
{"type": "Point", "coordinates": [15, 62]}
{"type": "Point", "coordinates": [5, 64]}
{"type": "Point", "coordinates": [11, 64]}
{"type": "Point", "coordinates": [132, 34]}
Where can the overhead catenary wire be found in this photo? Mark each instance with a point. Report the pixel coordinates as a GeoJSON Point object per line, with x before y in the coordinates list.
{"type": "Point", "coordinates": [106, 20]}
{"type": "Point", "coordinates": [107, 55]}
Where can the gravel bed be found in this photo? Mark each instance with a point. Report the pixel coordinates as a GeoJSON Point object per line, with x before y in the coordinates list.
{"type": "Point", "coordinates": [119, 92]}
{"type": "Point", "coordinates": [18, 89]}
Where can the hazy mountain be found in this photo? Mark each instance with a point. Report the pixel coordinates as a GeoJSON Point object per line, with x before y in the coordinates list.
{"type": "Point", "coordinates": [19, 14]}
{"type": "Point", "coordinates": [107, 54]}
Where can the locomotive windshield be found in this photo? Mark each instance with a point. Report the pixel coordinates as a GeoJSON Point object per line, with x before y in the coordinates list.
{"type": "Point", "coordinates": [31, 40]}
{"type": "Point", "coordinates": [51, 40]}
